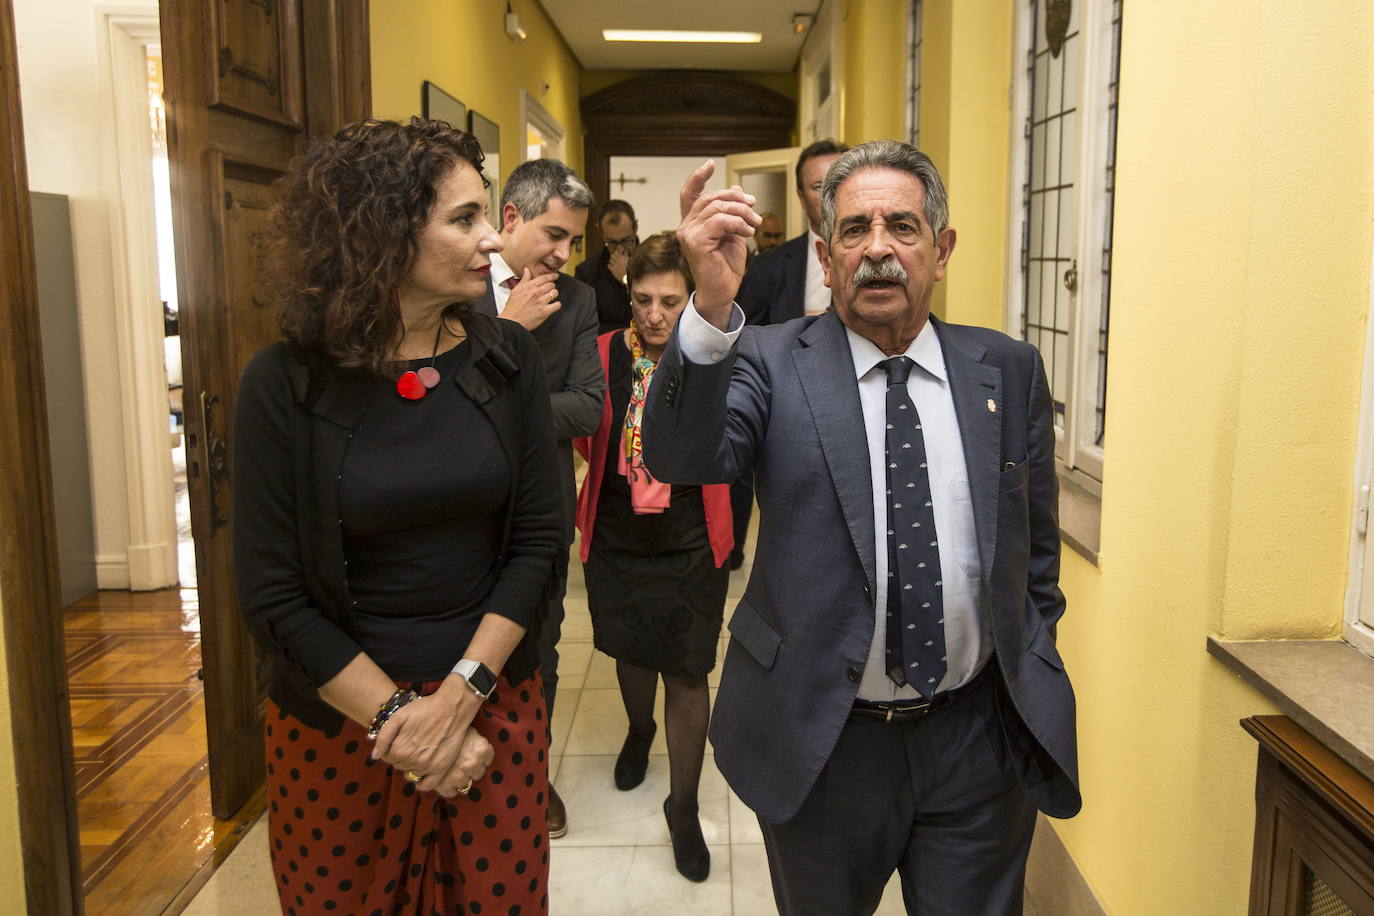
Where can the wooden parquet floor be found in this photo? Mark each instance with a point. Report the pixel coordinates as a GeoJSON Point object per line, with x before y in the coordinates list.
{"type": "Point", "coordinates": [148, 839]}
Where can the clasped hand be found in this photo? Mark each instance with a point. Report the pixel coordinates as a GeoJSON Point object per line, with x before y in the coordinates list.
{"type": "Point", "coordinates": [433, 736]}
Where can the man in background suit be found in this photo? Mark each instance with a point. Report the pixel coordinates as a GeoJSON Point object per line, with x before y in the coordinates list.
{"type": "Point", "coordinates": [769, 234]}
{"type": "Point", "coordinates": [787, 283]}
{"type": "Point", "coordinates": [543, 212]}
{"type": "Point", "coordinates": [892, 698]}
{"type": "Point", "coordinates": [605, 273]}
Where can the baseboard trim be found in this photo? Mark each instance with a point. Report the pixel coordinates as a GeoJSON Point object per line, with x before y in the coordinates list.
{"type": "Point", "coordinates": [1054, 884]}
{"type": "Point", "coordinates": [152, 566]}
{"type": "Point", "coordinates": [112, 572]}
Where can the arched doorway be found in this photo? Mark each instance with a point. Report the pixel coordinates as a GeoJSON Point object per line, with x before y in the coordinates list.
{"type": "Point", "coordinates": [678, 113]}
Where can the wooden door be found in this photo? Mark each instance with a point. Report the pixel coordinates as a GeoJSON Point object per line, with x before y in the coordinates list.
{"type": "Point", "coordinates": [248, 84]}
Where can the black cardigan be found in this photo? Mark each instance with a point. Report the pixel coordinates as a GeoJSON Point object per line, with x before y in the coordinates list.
{"type": "Point", "coordinates": [292, 425]}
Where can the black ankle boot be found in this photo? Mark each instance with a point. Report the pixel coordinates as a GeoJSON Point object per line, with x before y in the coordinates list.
{"type": "Point", "coordinates": [634, 758]}
{"type": "Point", "coordinates": [690, 853]}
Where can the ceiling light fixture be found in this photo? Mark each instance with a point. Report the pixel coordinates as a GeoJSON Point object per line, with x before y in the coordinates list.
{"type": "Point", "coordinates": [682, 36]}
{"type": "Point", "coordinates": [801, 22]}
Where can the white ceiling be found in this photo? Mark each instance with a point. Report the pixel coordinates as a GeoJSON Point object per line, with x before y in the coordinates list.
{"type": "Point", "coordinates": [581, 22]}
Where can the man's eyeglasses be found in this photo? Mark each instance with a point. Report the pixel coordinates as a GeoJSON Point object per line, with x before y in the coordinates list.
{"type": "Point", "coordinates": [625, 242]}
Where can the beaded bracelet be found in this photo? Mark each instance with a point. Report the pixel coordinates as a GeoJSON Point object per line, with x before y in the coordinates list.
{"type": "Point", "coordinates": [397, 700]}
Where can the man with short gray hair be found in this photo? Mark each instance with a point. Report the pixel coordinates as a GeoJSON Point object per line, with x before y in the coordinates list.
{"type": "Point", "coordinates": [892, 698]}
{"type": "Point", "coordinates": [543, 215]}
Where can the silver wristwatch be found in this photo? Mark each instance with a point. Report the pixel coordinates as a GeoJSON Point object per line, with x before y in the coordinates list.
{"type": "Point", "coordinates": [477, 676]}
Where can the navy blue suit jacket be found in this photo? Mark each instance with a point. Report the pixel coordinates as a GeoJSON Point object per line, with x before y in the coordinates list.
{"type": "Point", "coordinates": [785, 402]}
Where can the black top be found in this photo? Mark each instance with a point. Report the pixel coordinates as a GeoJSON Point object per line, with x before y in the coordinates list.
{"type": "Point", "coordinates": [682, 526]}
{"type": "Point", "coordinates": [293, 429]}
{"type": "Point", "coordinates": [612, 298]}
{"type": "Point", "coordinates": [421, 494]}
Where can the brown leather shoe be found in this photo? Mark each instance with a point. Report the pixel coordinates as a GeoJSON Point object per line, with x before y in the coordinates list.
{"type": "Point", "coordinates": [558, 815]}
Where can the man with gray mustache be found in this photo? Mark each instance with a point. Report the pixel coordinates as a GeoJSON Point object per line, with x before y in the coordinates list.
{"type": "Point", "coordinates": [892, 697]}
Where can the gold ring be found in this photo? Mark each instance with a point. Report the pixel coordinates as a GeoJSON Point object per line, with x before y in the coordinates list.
{"type": "Point", "coordinates": [466, 789]}
{"type": "Point", "coordinates": [412, 776]}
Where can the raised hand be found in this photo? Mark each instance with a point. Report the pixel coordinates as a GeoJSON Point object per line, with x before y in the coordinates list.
{"type": "Point", "coordinates": [714, 233]}
{"type": "Point", "coordinates": [533, 300]}
{"type": "Point", "coordinates": [618, 263]}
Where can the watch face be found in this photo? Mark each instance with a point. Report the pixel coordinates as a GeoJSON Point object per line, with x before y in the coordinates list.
{"type": "Point", "coordinates": [482, 679]}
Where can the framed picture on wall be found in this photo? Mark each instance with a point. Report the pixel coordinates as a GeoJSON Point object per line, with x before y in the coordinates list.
{"type": "Point", "coordinates": [488, 134]}
{"type": "Point", "coordinates": [438, 105]}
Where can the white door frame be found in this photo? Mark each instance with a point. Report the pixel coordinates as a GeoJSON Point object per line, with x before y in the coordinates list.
{"type": "Point", "coordinates": [782, 160]}
{"type": "Point", "coordinates": [532, 113]}
{"type": "Point", "coordinates": [152, 543]}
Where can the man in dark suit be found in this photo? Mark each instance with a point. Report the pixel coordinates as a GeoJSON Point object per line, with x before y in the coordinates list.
{"type": "Point", "coordinates": [785, 282]}
{"type": "Point", "coordinates": [605, 273]}
{"type": "Point", "coordinates": [543, 212]}
{"type": "Point", "coordinates": [892, 698]}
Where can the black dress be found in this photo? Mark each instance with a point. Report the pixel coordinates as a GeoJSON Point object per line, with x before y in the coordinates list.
{"type": "Point", "coordinates": [656, 596]}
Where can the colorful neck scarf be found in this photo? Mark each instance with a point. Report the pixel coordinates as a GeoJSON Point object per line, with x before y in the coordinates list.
{"type": "Point", "coordinates": [647, 496]}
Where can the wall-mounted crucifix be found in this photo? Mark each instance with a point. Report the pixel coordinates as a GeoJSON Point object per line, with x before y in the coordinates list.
{"type": "Point", "coordinates": [622, 181]}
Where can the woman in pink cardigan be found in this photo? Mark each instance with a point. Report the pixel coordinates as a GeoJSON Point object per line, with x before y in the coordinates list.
{"type": "Point", "coordinates": [655, 557]}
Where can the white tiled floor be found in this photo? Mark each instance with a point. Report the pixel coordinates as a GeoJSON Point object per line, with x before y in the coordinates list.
{"type": "Point", "coordinates": [616, 858]}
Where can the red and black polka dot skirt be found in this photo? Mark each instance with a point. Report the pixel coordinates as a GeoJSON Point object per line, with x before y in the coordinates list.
{"type": "Point", "coordinates": [350, 835]}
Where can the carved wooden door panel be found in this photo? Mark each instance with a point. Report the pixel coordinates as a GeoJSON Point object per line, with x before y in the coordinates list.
{"type": "Point", "coordinates": [248, 83]}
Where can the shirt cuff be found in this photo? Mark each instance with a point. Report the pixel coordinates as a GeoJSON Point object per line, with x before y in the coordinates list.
{"type": "Point", "coordinates": [702, 342]}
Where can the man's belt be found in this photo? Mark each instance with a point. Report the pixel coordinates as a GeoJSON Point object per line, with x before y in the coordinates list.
{"type": "Point", "coordinates": [913, 710]}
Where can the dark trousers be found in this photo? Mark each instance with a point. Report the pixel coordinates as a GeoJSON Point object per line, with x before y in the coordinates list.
{"type": "Point", "coordinates": [935, 800]}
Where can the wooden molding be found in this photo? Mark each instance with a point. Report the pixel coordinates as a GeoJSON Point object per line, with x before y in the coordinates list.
{"type": "Point", "coordinates": [677, 114]}
{"type": "Point", "coordinates": [39, 714]}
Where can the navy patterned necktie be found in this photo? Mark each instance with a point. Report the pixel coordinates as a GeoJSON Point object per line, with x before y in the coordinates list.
{"type": "Point", "coordinates": [915, 609]}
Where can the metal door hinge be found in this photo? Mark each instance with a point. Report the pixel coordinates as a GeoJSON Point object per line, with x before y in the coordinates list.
{"type": "Point", "coordinates": [1362, 511]}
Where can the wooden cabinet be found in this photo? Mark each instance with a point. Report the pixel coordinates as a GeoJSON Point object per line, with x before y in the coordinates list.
{"type": "Point", "coordinates": [1314, 827]}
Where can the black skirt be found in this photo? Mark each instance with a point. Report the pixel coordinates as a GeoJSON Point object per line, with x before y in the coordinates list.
{"type": "Point", "coordinates": [661, 612]}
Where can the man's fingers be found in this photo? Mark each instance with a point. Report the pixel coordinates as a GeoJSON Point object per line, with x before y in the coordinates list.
{"type": "Point", "coordinates": [732, 208]}
{"type": "Point", "coordinates": [696, 182]}
{"type": "Point", "coordinates": [730, 195]}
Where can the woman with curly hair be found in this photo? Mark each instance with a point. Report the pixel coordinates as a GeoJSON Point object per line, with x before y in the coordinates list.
{"type": "Point", "coordinates": [654, 556]}
{"type": "Point", "coordinates": [396, 520]}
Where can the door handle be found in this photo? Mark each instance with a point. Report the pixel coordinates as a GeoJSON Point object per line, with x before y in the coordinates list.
{"type": "Point", "coordinates": [1071, 277]}
{"type": "Point", "coordinates": [216, 460]}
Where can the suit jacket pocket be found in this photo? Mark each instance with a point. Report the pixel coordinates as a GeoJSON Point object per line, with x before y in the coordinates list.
{"type": "Point", "coordinates": [755, 634]}
{"type": "Point", "coordinates": [1043, 645]}
{"type": "Point", "coordinates": [1014, 477]}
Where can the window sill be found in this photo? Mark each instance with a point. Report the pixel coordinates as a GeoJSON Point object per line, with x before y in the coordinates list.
{"type": "Point", "coordinates": [1326, 686]}
{"type": "Point", "coordinates": [1080, 518]}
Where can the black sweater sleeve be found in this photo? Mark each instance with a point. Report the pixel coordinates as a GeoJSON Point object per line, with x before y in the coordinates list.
{"type": "Point", "coordinates": [267, 554]}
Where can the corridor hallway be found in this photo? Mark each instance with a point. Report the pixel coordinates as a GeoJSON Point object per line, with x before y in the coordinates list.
{"type": "Point", "coordinates": [616, 859]}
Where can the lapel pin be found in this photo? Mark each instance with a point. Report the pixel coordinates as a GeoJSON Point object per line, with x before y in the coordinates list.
{"type": "Point", "coordinates": [992, 406]}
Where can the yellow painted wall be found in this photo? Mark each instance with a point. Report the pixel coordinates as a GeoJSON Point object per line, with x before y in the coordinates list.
{"type": "Point", "coordinates": [1240, 293]}
{"type": "Point", "coordinates": [463, 48]}
{"type": "Point", "coordinates": [874, 76]}
{"type": "Point", "coordinates": [965, 125]}
{"type": "Point", "coordinates": [1239, 299]}
{"type": "Point", "coordinates": [11, 855]}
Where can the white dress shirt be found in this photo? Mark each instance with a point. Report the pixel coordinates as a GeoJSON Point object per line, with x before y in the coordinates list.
{"type": "Point", "coordinates": [817, 293]}
{"type": "Point", "coordinates": [968, 642]}
{"type": "Point", "coordinates": [500, 274]}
